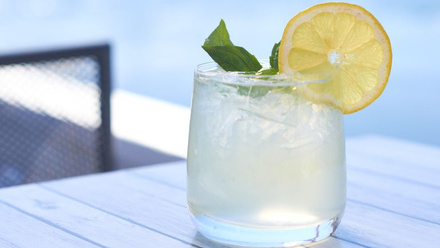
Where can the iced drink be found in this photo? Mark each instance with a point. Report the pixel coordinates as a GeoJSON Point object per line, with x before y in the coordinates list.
{"type": "Point", "coordinates": [266, 165]}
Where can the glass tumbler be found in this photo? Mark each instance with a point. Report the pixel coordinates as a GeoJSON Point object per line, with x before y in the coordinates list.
{"type": "Point", "coordinates": [266, 159]}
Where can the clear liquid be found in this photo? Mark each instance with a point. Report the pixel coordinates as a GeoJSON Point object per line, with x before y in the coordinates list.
{"type": "Point", "coordinates": [276, 161]}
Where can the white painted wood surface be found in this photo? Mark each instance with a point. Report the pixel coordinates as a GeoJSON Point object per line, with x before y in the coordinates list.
{"type": "Point", "coordinates": [393, 200]}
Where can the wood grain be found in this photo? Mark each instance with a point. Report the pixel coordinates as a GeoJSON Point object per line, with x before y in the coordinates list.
{"type": "Point", "coordinates": [25, 231]}
{"type": "Point", "coordinates": [81, 220]}
{"type": "Point", "coordinates": [399, 151]}
{"type": "Point", "coordinates": [394, 195]}
{"type": "Point", "coordinates": [397, 201]}
{"type": "Point", "coordinates": [393, 200]}
{"type": "Point", "coordinates": [144, 202]}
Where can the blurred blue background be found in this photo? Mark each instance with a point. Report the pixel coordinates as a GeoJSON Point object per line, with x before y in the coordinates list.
{"type": "Point", "coordinates": [156, 45]}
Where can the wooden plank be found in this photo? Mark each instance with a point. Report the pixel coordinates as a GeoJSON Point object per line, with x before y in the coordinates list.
{"type": "Point", "coordinates": [392, 169]}
{"type": "Point", "coordinates": [91, 223]}
{"type": "Point", "coordinates": [392, 194]}
{"type": "Point", "coordinates": [399, 151]}
{"type": "Point", "coordinates": [377, 228]}
{"type": "Point", "coordinates": [18, 229]}
{"type": "Point", "coordinates": [173, 173]}
{"type": "Point", "coordinates": [333, 242]}
{"type": "Point", "coordinates": [408, 161]}
{"type": "Point", "coordinates": [147, 203]}
{"type": "Point", "coordinates": [395, 195]}
{"type": "Point", "coordinates": [397, 159]}
{"type": "Point", "coordinates": [158, 205]}
{"type": "Point", "coordinates": [7, 244]}
{"type": "Point", "coordinates": [379, 155]}
{"type": "Point", "coordinates": [372, 154]}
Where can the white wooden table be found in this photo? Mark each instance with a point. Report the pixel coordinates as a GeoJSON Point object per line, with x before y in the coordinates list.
{"type": "Point", "coordinates": [393, 201]}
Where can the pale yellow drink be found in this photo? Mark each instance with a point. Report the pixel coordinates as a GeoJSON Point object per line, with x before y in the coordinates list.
{"type": "Point", "coordinates": [263, 160]}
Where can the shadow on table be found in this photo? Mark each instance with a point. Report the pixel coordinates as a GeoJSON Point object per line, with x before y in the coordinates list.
{"type": "Point", "coordinates": [200, 239]}
{"type": "Point", "coordinates": [331, 242]}
{"type": "Point", "coordinates": [128, 154]}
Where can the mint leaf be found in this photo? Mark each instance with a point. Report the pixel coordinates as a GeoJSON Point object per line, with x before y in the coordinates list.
{"type": "Point", "coordinates": [233, 58]}
{"type": "Point", "coordinates": [229, 57]}
{"type": "Point", "coordinates": [274, 57]}
{"type": "Point", "coordinates": [219, 37]}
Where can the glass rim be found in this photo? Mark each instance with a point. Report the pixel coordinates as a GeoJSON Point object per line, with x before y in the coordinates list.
{"type": "Point", "coordinates": [212, 71]}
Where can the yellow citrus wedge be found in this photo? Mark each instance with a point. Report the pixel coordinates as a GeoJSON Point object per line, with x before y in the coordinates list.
{"type": "Point", "coordinates": [345, 40]}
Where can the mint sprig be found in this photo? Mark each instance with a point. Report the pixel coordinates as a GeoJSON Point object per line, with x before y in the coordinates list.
{"type": "Point", "coordinates": [230, 57]}
{"type": "Point", "coordinates": [235, 58]}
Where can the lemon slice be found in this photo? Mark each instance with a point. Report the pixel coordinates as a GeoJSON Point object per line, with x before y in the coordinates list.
{"type": "Point", "coordinates": [345, 40]}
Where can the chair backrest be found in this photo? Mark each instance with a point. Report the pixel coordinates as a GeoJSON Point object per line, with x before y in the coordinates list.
{"type": "Point", "coordinates": [54, 114]}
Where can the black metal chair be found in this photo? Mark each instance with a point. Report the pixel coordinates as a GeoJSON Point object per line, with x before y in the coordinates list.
{"type": "Point", "coordinates": [54, 114]}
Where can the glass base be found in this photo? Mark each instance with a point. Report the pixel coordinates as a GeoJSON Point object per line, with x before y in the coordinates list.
{"type": "Point", "coordinates": [228, 233]}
